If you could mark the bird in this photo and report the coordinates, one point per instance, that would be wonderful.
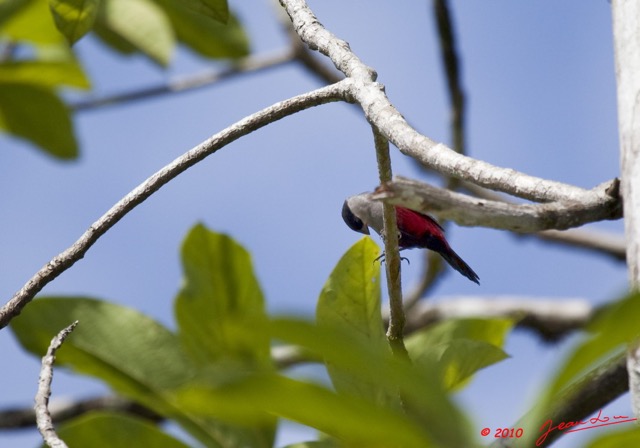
(417, 230)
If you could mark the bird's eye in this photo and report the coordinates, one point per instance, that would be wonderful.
(350, 219)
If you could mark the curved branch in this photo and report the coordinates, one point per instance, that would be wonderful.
(381, 113)
(43, 417)
(596, 205)
(66, 259)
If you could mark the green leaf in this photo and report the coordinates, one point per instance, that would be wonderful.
(220, 300)
(612, 330)
(136, 356)
(216, 9)
(204, 35)
(10, 8)
(44, 73)
(330, 443)
(35, 113)
(114, 430)
(74, 18)
(221, 322)
(346, 417)
(418, 384)
(142, 24)
(350, 301)
(460, 347)
(32, 23)
(628, 437)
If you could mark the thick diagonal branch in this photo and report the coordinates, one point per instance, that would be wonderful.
(383, 115)
(598, 204)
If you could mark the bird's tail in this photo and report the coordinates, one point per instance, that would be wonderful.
(459, 265)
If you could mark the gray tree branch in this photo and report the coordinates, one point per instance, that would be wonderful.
(603, 203)
(380, 112)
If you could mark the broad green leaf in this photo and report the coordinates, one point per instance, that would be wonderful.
(32, 23)
(142, 24)
(460, 347)
(216, 9)
(136, 356)
(204, 35)
(348, 418)
(217, 304)
(113, 39)
(36, 114)
(220, 301)
(44, 73)
(114, 430)
(418, 384)
(630, 437)
(612, 330)
(350, 301)
(74, 18)
(8, 8)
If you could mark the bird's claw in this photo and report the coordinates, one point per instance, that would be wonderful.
(382, 257)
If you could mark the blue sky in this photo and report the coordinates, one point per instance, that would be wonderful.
(541, 99)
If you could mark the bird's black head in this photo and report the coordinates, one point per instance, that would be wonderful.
(352, 220)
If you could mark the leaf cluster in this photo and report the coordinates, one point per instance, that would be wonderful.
(37, 60)
(214, 376)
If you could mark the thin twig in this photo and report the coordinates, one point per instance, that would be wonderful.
(600, 242)
(451, 65)
(395, 331)
(251, 64)
(298, 52)
(62, 411)
(66, 259)
(43, 417)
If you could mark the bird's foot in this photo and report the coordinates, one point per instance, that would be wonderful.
(382, 258)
